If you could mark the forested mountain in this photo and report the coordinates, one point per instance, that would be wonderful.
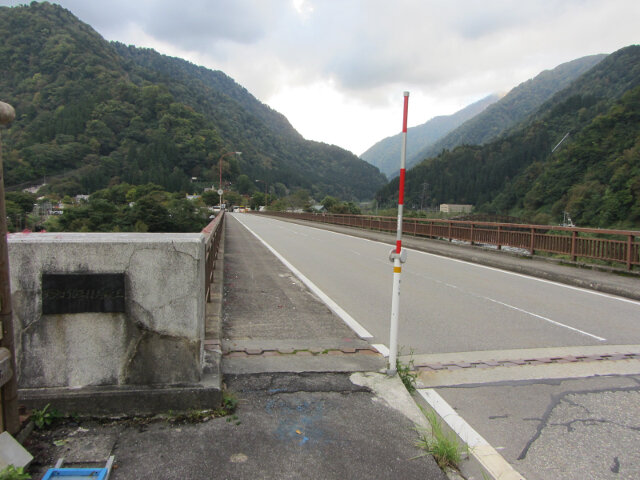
(92, 113)
(510, 110)
(386, 153)
(594, 174)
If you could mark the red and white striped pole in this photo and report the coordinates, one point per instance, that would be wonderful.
(398, 256)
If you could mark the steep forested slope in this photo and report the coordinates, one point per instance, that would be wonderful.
(90, 113)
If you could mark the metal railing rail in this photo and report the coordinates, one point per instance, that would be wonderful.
(213, 235)
(617, 246)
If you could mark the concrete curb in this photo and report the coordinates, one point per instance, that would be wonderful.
(125, 400)
(213, 319)
(483, 461)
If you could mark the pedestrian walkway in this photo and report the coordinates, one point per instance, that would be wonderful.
(271, 322)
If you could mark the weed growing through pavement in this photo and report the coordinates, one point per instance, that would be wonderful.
(445, 448)
(405, 372)
(45, 417)
(229, 404)
(12, 473)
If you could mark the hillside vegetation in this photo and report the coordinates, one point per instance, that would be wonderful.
(594, 174)
(92, 113)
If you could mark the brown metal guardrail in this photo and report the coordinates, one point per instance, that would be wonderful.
(213, 235)
(617, 246)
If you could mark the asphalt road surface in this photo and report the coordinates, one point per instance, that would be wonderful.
(447, 305)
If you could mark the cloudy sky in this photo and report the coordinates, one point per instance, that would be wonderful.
(337, 68)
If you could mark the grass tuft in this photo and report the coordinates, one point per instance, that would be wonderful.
(445, 448)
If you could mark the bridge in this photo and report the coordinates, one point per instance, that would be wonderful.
(479, 327)
(529, 361)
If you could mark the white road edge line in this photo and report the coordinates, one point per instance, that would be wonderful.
(383, 349)
(333, 306)
(484, 453)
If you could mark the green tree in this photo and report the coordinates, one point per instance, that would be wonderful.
(244, 185)
(257, 200)
(329, 203)
(185, 216)
(211, 197)
(152, 213)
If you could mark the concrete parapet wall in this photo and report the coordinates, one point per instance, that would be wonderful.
(157, 340)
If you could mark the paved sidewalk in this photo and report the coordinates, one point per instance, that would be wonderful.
(312, 426)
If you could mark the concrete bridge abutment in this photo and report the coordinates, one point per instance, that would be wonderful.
(111, 323)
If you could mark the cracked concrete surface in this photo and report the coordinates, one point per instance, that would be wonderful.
(558, 429)
(593, 430)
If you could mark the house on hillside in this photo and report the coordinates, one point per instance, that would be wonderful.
(455, 208)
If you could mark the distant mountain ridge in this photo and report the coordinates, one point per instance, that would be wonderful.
(511, 109)
(91, 113)
(386, 153)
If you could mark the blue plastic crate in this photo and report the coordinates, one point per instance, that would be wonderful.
(79, 473)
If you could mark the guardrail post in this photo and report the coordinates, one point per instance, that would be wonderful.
(574, 238)
(472, 233)
(498, 243)
(629, 252)
(532, 241)
(449, 232)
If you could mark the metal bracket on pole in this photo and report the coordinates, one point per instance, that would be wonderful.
(402, 256)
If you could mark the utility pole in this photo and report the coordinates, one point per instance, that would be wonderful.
(10, 419)
(425, 185)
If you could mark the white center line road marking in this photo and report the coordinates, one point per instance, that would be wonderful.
(333, 306)
(513, 307)
(546, 319)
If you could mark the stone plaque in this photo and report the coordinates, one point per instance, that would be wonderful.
(81, 293)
